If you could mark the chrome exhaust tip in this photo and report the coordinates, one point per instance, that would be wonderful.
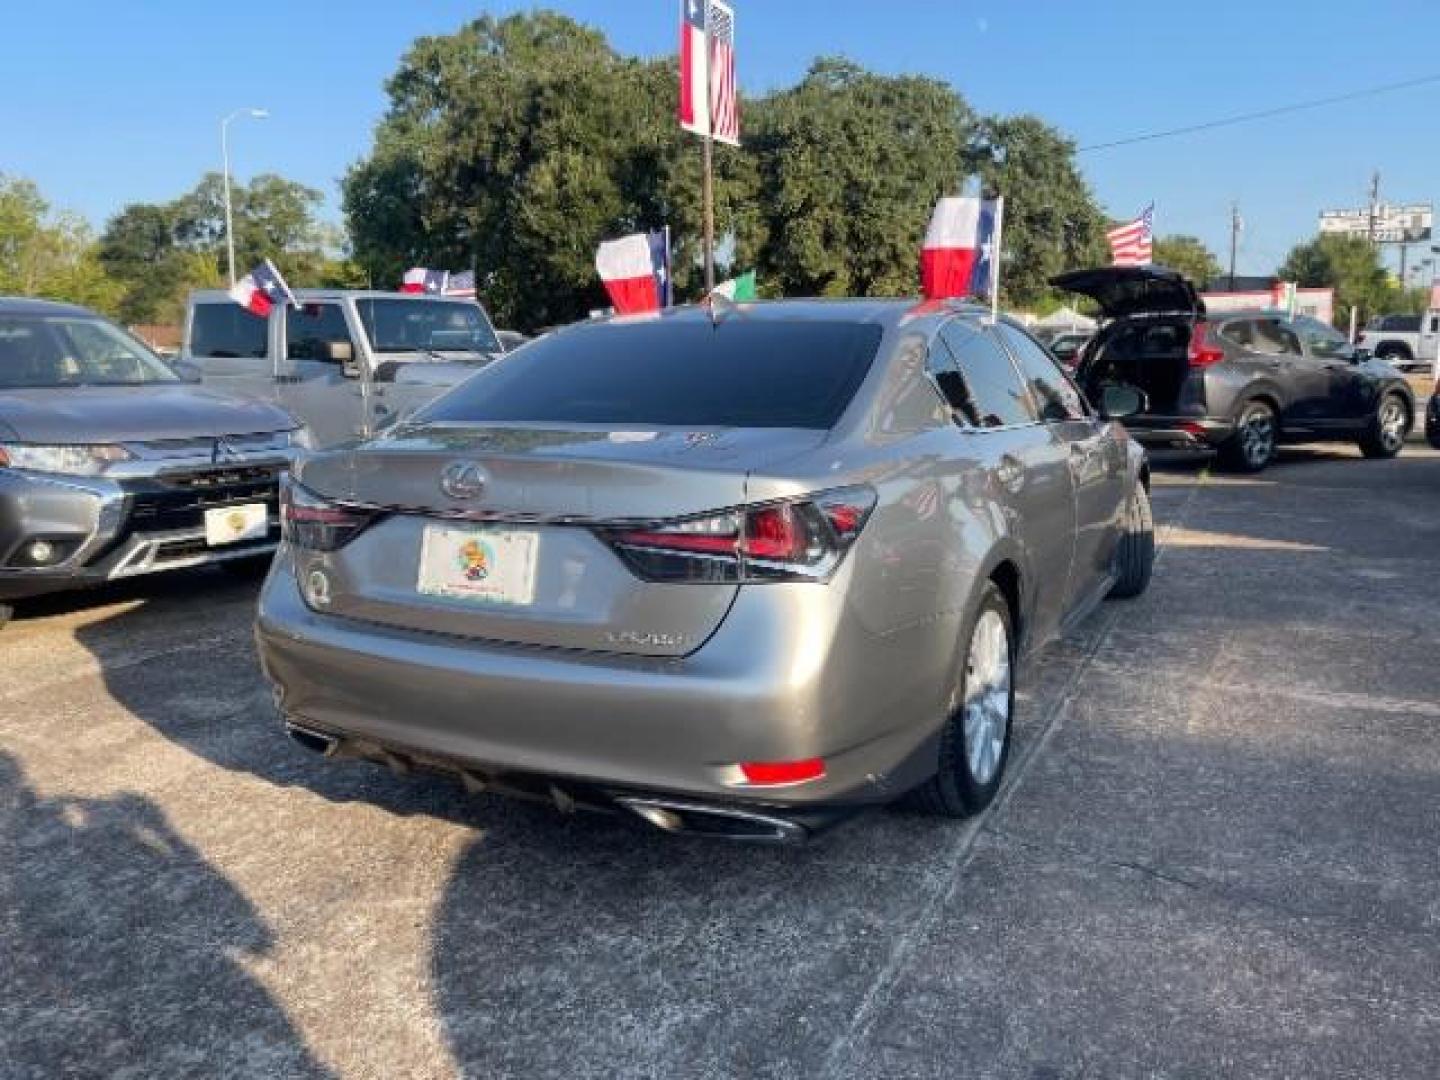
(317, 742)
(717, 821)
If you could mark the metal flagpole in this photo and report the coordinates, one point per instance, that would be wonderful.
(669, 297)
(709, 199)
(708, 184)
(995, 262)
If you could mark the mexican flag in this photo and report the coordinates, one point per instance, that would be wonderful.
(739, 288)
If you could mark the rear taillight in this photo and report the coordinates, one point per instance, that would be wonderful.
(311, 522)
(1204, 349)
(796, 540)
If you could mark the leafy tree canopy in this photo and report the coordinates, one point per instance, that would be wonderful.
(1190, 256)
(517, 144)
(1352, 267)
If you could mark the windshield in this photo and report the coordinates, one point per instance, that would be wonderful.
(1322, 340)
(766, 374)
(74, 351)
(400, 325)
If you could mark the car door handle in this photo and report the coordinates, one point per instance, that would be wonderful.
(1011, 473)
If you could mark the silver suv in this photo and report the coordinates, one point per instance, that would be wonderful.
(112, 466)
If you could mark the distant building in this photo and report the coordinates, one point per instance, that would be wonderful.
(1267, 291)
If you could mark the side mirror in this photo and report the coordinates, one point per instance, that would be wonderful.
(1118, 402)
(342, 353)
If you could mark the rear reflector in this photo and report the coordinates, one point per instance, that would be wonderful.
(774, 773)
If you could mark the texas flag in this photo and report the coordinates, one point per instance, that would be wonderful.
(261, 289)
(420, 280)
(636, 272)
(959, 257)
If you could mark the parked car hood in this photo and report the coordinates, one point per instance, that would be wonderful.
(1134, 290)
(110, 414)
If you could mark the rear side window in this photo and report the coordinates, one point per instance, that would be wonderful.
(1052, 390)
(226, 330)
(1266, 336)
(311, 328)
(997, 396)
(674, 372)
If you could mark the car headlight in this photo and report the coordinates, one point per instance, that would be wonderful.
(65, 460)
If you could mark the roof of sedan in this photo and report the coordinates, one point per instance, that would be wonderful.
(25, 305)
(859, 310)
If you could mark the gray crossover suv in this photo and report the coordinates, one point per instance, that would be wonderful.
(735, 572)
(110, 466)
(1240, 382)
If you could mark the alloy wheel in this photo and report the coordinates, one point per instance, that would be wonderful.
(1394, 422)
(1257, 437)
(987, 696)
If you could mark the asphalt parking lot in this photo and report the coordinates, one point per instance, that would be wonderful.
(1218, 853)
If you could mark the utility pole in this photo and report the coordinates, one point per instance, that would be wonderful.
(1235, 226)
(1374, 206)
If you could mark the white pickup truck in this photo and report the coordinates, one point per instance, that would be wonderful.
(345, 362)
(1406, 342)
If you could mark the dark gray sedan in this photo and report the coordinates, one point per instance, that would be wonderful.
(735, 572)
(111, 466)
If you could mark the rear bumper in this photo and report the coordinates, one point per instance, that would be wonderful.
(764, 688)
(101, 529)
(1180, 433)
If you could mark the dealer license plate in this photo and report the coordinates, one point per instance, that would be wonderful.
(494, 566)
(234, 524)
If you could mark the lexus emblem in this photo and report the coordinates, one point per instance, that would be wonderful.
(462, 480)
(222, 451)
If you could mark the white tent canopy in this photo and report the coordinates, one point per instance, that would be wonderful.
(1066, 318)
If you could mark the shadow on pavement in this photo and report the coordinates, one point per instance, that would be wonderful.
(122, 948)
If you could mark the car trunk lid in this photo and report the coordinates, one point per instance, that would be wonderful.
(1124, 291)
(489, 532)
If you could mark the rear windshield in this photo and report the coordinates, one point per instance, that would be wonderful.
(398, 325)
(674, 373)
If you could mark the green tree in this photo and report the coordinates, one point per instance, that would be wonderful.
(161, 251)
(1349, 265)
(49, 255)
(1052, 222)
(1190, 256)
(851, 164)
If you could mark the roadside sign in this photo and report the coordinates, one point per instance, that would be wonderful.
(1409, 223)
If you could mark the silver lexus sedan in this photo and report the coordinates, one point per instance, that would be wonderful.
(738, 571)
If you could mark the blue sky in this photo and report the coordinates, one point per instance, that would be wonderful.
(108, 103)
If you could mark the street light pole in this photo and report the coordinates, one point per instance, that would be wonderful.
(257, 114)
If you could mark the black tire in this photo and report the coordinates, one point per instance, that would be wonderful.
(954, 791)
(1135, 554)
(1383, 438)
(1257, 435)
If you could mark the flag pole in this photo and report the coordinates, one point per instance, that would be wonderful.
(995, 269)
(669, 297)
(708, 182)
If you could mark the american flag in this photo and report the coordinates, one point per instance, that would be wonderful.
(1133, 244)
(724, 92)
(461, 284)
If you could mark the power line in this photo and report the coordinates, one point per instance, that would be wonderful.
(1262, 114)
